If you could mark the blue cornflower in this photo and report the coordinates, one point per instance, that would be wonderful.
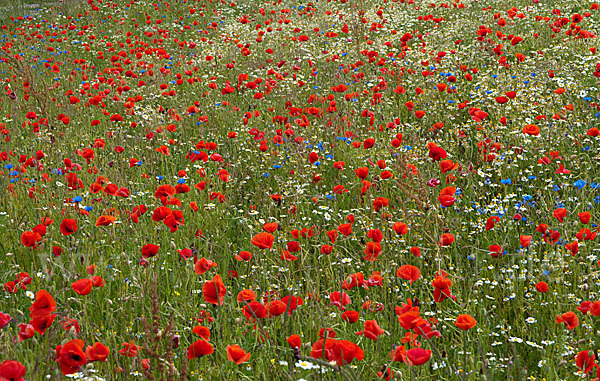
(579, 184)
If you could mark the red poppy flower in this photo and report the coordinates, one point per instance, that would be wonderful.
(586, 234)
(214, 290)
(386, 175)
(246, 295)
(465, 322)
(398, 354)
(345, 229)
(525, 240)
(496, 251)
(326, 249)
(129, 349)
(491, 222)
(446, 200)
(68, 226)
(584, 217)
(585, 307)
(41, 323)
(82, 286)
(573, 247)
(584, 361)
(380, 202)
(97, 281)
(354, 280)
(270, 227)
(372, 330)
(560, 214)
(243, 256)
(541, 287)
(350, 316)
(375, 234)
(436, 153)
(442, 289)
(165, 190)
(418, 356)
(26, 331)
(70, 356)
(415, 251)
(447, 165)
(4, 319)
(372, 251)
(263, 240)
(339, 300)
(30, 238)
(569, 318)
(257, 308)
(362, 172)
(44, 304)
(293, 246)
(203, 265)
(105, 220)
(237, 354)
(409, 319)
(276, 308)
(400, 228)
(199, 348)
(408, 272)
(97, 352)
(594, 131)
(293, 302)
(287, 256)
(294, 341)
(12, 370)
(116, 118)
(531, 129)
(446, 239)
(149, 250)
(344, 352)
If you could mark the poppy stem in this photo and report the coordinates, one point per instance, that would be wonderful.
(329, 365)
(484, 361)
(256, 320)
(464, 365)
(413, 373)
(437, 352)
